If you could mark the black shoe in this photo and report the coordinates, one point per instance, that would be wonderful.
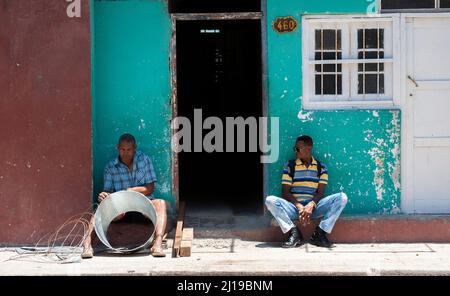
(319, 238)
(295, 239)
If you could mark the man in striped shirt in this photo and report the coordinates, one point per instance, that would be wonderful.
(303, 186)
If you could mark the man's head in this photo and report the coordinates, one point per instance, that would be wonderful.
(127, 148)
(303, 147)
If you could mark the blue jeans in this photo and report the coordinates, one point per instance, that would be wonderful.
(329, 208)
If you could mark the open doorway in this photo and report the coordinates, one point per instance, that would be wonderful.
(219, 71)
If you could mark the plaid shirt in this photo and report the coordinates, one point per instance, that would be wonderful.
(117, 175)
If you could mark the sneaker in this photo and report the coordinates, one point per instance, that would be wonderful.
(295, 239)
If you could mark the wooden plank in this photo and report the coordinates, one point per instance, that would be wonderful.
(186, 242)
(217, 16)
(185, 248)
(178, 231)
(188, 234)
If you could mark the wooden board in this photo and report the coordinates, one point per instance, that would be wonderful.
(185, 248)
(178, 231)
(186, 242)
(188, 234)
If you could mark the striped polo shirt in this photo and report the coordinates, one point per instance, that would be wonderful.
(305, 183)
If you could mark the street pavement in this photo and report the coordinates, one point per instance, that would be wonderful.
(228, 257)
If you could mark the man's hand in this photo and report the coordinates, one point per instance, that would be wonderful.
(102, 196)
(305, 215)
(300, 209)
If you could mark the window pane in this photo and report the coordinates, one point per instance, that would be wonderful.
(368, 38)
(367, 84)
(329, 55)
(329, 39)
(318, 40)
(318, 56)
(318, 85)
(329, 68)
(318, 68)
(329, 84)
(371, 84)
(339, 68)
(339, 84)
(360, 83)
(371, 36)
(371, 55)
(381, 32)
(445, 3)
(406, 4)
(360, 38)
(371, 67)
(339, 39)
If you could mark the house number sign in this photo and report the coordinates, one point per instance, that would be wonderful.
(285, 24)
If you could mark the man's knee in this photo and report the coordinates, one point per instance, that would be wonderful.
(271, 200)
(343, 198)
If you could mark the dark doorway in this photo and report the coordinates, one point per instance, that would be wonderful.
(219, 71)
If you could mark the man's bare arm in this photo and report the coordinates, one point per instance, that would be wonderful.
(103, 195)
(320, 193)
(145, 190)
(287, 195)
(309, 208)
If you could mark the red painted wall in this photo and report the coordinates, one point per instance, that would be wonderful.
(45, 117)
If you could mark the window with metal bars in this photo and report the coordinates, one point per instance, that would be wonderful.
(370, 75)
(348, 62)
(328, 77)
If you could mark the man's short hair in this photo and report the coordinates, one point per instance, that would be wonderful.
(128, 138)
(305, 139)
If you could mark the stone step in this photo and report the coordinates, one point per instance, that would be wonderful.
(348, 229)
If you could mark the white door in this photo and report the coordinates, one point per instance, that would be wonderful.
(426, 115)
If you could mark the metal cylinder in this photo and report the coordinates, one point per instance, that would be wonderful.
(118, 203)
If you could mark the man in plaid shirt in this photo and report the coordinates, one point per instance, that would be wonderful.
(133, 170)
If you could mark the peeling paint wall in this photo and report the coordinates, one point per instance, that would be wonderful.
(132, 94)
(132, 84)
(360, 148)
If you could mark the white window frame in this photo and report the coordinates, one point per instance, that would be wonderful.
(349, 26)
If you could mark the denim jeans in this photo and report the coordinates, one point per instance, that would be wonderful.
(329, 208)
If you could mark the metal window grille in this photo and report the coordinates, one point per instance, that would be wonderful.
(328, 77)
(370, 75)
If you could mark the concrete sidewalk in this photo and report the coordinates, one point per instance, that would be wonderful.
(238, 257)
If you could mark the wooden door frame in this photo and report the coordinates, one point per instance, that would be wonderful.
(173, 77)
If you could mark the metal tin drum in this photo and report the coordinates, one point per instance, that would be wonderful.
(116, 204)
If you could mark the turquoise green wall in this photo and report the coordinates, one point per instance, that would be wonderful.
(131, 93)
(132, 84)
(361, 148)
